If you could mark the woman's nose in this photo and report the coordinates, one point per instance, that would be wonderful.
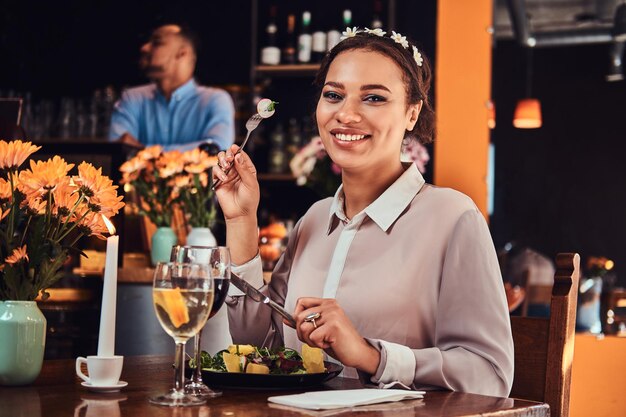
(349, 112)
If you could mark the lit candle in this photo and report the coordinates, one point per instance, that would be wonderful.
(106, 338)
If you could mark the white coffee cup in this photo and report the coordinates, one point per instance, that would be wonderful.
(103, 370)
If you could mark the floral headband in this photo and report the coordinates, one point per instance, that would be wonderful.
(396, 37)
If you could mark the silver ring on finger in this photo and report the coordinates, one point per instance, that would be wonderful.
(312, 317)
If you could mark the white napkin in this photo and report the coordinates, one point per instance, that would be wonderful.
(327, 400)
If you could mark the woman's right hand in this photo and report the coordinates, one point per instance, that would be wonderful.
(238, 192)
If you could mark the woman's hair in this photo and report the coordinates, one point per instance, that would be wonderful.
(416, 78)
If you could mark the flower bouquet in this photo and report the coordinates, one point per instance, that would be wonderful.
(164, 179)
(43, 213)
(151, 173)
(193, 187)
(313, 167)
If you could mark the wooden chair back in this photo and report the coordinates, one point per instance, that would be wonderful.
(544, 347)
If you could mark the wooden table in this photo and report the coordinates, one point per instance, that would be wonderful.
(57, 392)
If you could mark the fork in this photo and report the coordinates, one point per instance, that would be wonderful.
(252, 123)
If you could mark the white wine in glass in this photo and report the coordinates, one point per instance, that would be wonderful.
(217, 258)
(182, 296)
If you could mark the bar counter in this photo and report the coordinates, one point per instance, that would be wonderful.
(57, 392)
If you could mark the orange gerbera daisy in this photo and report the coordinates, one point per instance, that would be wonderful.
(91, 224)
(43, 177)
(194, 156)
(65, 197)
(35, 204)
(4, 213)
(131, 169)
(17, 255)
(151, 152)
(14, 153)
(99, 190)
(5, 189)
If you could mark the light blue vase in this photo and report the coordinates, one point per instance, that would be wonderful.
(162, 241)
(22, 342)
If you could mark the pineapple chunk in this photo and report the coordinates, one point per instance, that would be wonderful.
(232, 362)
(313, 359)
(254, 368)
(173, 303)
(241, 349)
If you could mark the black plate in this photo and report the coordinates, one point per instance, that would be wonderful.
(286, 382)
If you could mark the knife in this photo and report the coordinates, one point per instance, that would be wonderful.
(259, 297)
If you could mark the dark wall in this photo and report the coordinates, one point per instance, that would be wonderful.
(561, 187)
(70, 48)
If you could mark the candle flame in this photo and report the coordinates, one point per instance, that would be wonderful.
(109, 225)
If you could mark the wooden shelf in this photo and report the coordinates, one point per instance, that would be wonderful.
(295, 70)
(275, 177)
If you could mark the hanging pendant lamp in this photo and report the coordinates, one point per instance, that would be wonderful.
(528, 111)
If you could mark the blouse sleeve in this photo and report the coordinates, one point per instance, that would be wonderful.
(473, 349)
(256, 323)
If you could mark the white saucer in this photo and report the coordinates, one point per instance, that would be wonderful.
(104, 388)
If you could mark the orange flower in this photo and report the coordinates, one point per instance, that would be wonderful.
(182, 181)
(17, 255)
(5, 189)
(91, 224)
(99, 190)
(131, 169)
(151, 152)
(194, 156)
(4, 213)
(14, 153)
(43, 177)
(35, 204)
(65, 197)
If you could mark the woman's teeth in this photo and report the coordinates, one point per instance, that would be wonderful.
(341, 136)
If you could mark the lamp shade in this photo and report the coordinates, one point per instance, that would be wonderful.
(527, 114)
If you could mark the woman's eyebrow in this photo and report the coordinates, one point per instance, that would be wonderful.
(334, 84)
(374, 87)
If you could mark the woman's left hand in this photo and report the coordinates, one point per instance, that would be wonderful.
(334, 332)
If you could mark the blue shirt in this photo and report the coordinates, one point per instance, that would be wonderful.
(194, 115)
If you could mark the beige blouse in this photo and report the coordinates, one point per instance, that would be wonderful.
(417, 274)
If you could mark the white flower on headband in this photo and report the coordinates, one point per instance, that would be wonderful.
(417, 56)
(398, 38)
(377, 32)
(349, 33)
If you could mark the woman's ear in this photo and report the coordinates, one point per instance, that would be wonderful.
(413, 114)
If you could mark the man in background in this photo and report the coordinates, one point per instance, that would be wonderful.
(173, 111)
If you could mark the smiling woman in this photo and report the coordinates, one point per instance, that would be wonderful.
(401, 277)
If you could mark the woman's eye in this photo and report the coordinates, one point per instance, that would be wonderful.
(330, 95)
(375, 99)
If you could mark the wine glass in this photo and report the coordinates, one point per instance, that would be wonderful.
(218, 260)
(182, 295)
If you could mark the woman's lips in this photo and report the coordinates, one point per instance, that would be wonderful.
(349, 135)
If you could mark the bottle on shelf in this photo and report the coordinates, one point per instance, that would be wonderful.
(377, 23)
(305, 39)
(318, 45)
(277, 163)
(289, 50)
(270, 54)
(294, 138)
(334, 35)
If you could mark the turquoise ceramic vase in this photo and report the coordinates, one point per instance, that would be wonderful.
(22, 342)
(162, 241)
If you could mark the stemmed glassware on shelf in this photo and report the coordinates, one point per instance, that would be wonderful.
(182, 296)
(217, 259)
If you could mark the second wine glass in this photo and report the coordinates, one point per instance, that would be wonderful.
(218, 260)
